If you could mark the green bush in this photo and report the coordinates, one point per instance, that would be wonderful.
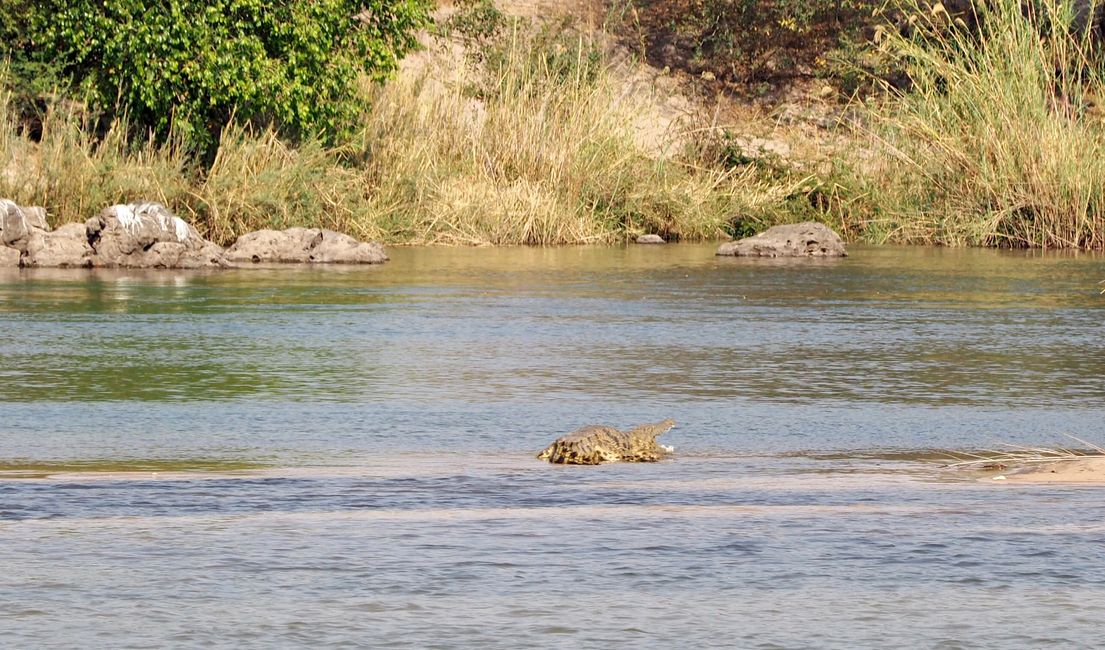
(194, 65)
(26, 79)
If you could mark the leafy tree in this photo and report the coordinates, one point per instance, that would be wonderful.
(22, 74)
(197, 64)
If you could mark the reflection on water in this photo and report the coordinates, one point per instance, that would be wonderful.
(291, 457)
(14, 468)
(887, 325)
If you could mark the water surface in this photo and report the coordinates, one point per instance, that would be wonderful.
(289, 457)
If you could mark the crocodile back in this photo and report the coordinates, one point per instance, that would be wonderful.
(594, 445)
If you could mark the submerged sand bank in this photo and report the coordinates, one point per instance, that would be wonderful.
(1087, 471)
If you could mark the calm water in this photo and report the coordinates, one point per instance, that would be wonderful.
(344, 457)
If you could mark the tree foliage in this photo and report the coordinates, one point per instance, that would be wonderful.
(197, 64)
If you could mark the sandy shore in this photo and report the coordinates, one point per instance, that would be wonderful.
(1076, 471)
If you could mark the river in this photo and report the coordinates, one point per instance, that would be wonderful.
(345, 456)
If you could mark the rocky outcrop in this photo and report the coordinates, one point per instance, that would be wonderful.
(148, 235)
(807, 239)
(36, 216)
(136, 235)
(594, 445)
(66, 247)
(28, 241)
(304, 246)
(650, 239)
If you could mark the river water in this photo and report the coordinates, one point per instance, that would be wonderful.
(345, 457)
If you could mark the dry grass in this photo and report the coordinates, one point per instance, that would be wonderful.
(77, 174)
(1010, 455)
(259, 181)
(534, 149)
(999, 143)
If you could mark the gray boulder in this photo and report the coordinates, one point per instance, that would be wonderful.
(17, 224)
(809, 239)
(148, 235)
(650, 239)
(9, 257)
(304, 246)
(170, 255)
(65, 247)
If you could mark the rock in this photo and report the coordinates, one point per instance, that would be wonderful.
(148, 235)
(339, 248)
(18, 223)
(304, 246)
(65, 247)
(274, 246)
(175, 255)
(807, 239)
(594, 445)
(36, 216)
(9, 257)
(650, 239)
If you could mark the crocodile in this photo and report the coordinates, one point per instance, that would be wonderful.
(595, 444)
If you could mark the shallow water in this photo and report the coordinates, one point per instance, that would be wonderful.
(289, 457)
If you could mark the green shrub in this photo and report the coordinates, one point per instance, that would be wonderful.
(196, 64)
(27, 81)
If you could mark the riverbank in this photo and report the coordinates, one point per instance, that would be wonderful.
(524, 139)
(531, 123)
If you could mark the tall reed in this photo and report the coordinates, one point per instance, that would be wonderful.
(76, 173)
(1000, 141)
(256, 180)
(535, 148)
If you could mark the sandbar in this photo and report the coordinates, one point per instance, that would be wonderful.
(1083, 471)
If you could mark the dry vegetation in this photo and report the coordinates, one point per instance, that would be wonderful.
(522, 132)
(999, 141)
(525, 141)
(1020, 456)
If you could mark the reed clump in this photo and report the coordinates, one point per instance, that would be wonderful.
(76, 171)
(1000, 140)
(1018, 455)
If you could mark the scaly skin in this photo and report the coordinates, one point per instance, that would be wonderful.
(594, 445)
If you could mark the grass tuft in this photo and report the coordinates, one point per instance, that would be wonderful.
(1020, 455)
